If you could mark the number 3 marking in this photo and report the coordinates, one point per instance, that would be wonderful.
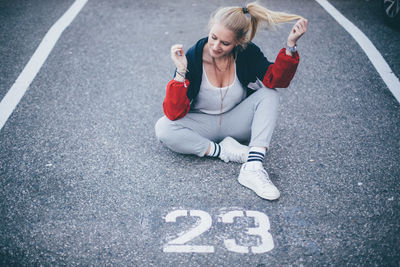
(261, 222)
(178, 244)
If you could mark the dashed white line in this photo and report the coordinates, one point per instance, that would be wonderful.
(380, 64)
(18, 89)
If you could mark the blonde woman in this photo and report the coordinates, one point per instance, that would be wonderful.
(222, 94)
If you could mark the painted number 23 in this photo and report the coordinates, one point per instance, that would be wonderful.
(261, 229)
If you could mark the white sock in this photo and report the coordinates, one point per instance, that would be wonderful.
(255, 158)
(215, 150)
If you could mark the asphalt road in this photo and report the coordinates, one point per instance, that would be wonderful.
(83, 180)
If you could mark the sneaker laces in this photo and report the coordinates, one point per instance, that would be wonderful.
(263, 177)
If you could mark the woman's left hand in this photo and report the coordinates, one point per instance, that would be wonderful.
(297, 31)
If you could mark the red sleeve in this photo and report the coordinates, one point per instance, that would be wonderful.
(282, 71)
(176, 104)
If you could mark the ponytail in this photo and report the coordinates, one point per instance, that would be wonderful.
(259, 13)
(235, 19)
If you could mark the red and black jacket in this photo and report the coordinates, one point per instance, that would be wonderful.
(251, 64)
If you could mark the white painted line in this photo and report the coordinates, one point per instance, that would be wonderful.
(373, 54)
(18, 89)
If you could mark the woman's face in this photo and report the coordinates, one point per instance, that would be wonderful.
(221, 41)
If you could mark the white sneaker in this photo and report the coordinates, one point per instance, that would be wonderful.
(232, 150)
(257, 179)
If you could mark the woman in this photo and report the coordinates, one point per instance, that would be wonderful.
(223, 90)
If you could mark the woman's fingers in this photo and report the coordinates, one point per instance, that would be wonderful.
(301, 26)
(176, 46)
(177, 50)
(178, 56)
(297, 31)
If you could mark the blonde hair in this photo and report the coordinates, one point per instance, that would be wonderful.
(235, 19)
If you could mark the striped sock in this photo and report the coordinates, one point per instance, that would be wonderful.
(255, 157)
(215, 150)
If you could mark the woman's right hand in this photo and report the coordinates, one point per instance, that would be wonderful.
(179, 58)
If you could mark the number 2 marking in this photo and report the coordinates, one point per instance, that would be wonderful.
(261, 229)
(178, 244)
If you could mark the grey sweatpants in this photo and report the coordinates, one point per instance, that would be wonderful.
(253, 120)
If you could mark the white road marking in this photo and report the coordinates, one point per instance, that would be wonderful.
(178, 244)
(18, 89)
(261, 229)
(373, 54)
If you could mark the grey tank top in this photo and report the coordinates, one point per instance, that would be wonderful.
(209, 98)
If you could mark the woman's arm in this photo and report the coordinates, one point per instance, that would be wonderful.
(282, 71)
(176, 103)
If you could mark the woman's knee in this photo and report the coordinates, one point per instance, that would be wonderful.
(163, 129)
